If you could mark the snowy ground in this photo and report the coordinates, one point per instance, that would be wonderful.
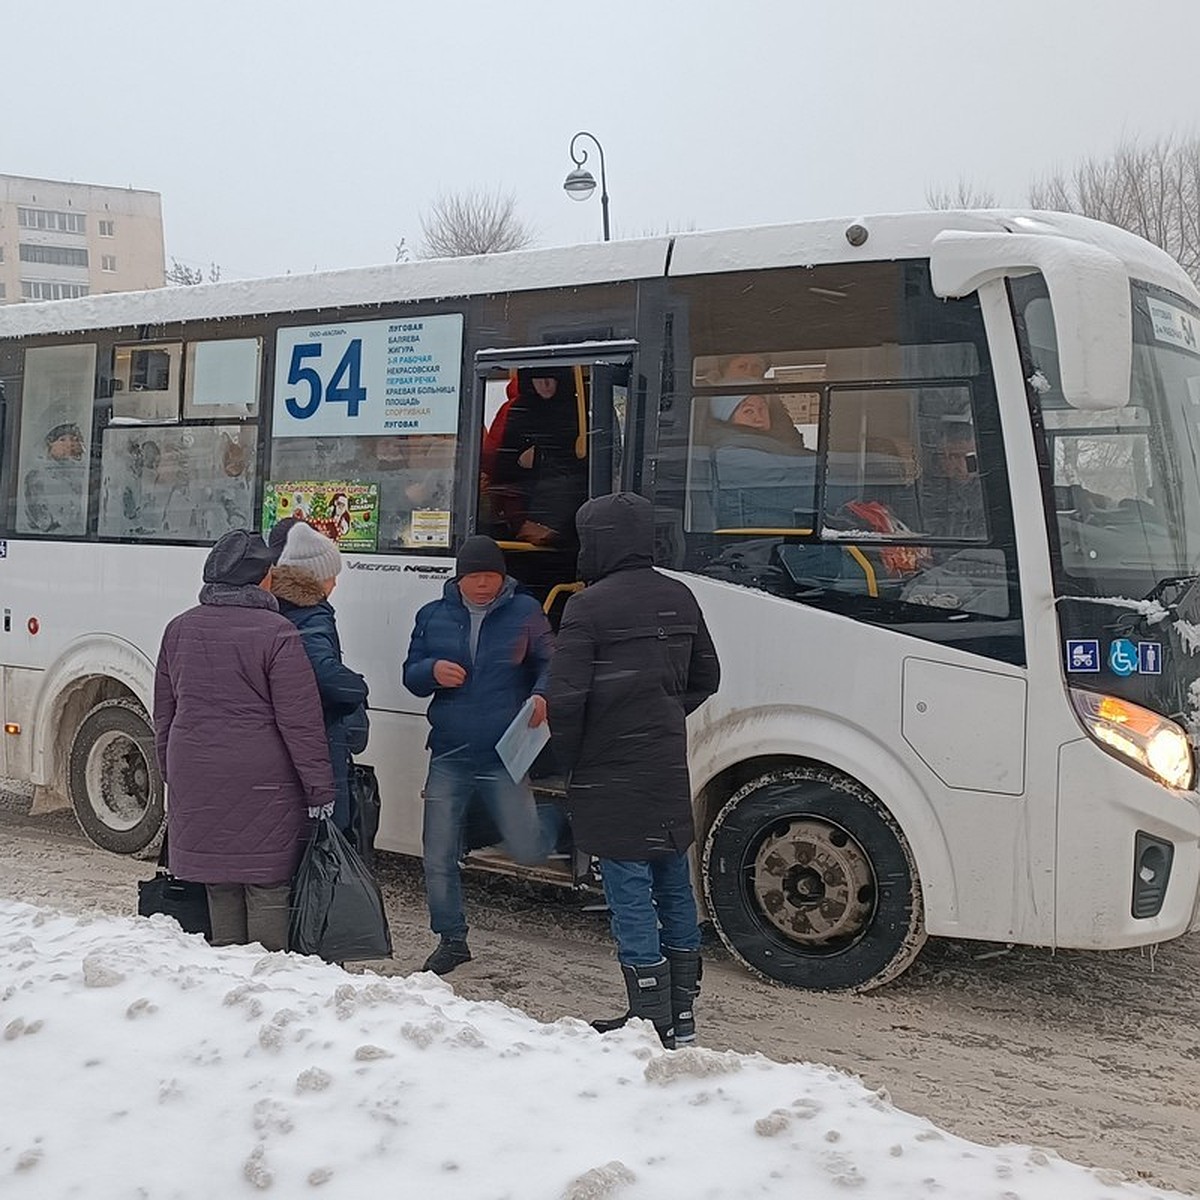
(1095, 1055)
(138, 1062)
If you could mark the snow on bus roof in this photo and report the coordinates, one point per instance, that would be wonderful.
(801, 244)
(433, 279)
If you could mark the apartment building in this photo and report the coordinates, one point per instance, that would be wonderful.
(63, 240)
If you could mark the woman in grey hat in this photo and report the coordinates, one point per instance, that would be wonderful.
(304, 577)
(241, 745)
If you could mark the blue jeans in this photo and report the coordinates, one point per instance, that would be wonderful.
(453, 780)
(644, 896)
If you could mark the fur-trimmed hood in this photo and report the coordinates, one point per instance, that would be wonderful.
(296, 586)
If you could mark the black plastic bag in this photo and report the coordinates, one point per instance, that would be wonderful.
(364, 811)
(186, 903)
(337, 909)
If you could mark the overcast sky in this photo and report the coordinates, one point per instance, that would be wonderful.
(288, 135)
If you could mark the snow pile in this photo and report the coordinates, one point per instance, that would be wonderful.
(135, 1061)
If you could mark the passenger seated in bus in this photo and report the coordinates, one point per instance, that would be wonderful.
(951, 491)
(536, 477)
(56, 488)
(763, 475)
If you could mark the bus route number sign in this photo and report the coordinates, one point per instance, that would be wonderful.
(362, 378)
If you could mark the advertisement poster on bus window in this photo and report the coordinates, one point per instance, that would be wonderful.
(363, 378)
(346, 512)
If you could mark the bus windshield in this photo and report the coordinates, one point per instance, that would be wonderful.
(1125, 481)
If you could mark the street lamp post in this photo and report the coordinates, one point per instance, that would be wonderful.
(581, 183)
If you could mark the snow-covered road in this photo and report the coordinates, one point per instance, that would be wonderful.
(1095, 1056)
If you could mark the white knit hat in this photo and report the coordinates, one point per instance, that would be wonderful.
(311, 552)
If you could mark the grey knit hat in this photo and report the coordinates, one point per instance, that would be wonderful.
(311, 552)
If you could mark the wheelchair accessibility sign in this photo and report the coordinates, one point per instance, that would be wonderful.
(1125, 657)
(1122, 657)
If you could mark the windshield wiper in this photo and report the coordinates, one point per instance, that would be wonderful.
(1182, 589)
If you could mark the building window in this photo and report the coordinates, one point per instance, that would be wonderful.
(1, 254)
(55, 256)
(106, 228)
(52, 219)
(33, 289)
(1, 291)
(108, 262)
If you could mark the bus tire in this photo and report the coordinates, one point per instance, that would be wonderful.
(810, 882)
(113, 780)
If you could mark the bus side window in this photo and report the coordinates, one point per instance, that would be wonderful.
(56, 438)
(168, 473)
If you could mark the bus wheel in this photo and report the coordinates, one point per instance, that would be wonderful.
(113, 780)
(810, 882)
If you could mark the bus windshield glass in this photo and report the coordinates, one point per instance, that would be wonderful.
(1125, 482)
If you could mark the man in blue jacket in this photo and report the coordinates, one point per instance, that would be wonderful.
(480, 651)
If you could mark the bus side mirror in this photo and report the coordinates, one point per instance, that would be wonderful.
(1089, 295)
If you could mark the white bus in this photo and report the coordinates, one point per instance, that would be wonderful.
(933, 479)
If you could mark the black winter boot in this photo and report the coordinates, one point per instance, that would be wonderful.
(607, 1026)
(450, 953)
(649, 991)
(687, 969)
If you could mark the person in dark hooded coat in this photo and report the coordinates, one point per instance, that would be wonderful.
(632, 659)
(241, 745)
(537, 476)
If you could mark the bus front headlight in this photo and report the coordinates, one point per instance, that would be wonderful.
(1154, 743)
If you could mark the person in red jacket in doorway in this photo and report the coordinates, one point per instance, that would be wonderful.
(241, 745)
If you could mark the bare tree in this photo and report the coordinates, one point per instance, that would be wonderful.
(181, 275)
(474, 222)
(1149, 188)
(964, 194)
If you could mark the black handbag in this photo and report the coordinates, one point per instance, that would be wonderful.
(186, 903)
(364, 811)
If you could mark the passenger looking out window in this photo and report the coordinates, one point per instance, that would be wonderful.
(55, 489)
(763, 475)
(951, 492)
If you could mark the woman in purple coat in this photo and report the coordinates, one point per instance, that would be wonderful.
(241, 745)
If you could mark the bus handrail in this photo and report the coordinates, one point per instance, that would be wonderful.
(559, 588)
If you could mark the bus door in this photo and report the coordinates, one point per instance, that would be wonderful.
(554, 425)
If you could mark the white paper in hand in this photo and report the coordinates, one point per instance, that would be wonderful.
(520, 744)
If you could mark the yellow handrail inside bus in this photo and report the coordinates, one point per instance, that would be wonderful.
(868, 570)
(855, 553)
(522, 547)
(581, 409)
(558, 589)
